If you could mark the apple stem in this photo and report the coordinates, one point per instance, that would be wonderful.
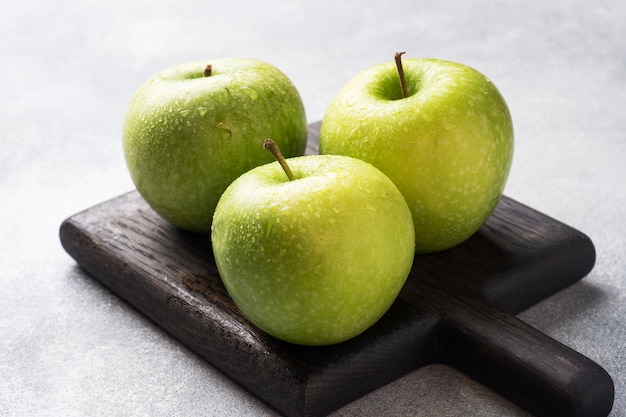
(398, 58)
(272, 147)
(207, 70)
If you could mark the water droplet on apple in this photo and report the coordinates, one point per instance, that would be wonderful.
(202, 111)
(250, 92)
(184, 113)
(225, 132)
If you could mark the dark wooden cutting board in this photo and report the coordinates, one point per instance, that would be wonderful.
(457, 308)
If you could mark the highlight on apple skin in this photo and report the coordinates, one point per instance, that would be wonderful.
(191, 129)
(315, 260)
(448, 145)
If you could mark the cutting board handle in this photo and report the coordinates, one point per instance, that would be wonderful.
(523, 364)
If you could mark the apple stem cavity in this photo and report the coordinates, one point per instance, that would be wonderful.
(398, 58)
(272, 147)
(207, 70)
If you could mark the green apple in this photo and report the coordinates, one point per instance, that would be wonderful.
(190, 130)
(318, 259)
(447, 143)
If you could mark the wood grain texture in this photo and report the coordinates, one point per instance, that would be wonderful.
(457, 307)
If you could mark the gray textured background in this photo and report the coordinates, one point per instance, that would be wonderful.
(68, 347)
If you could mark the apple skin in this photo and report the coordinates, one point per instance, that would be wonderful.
(448, 146)
(316, 260)
(186, 137)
